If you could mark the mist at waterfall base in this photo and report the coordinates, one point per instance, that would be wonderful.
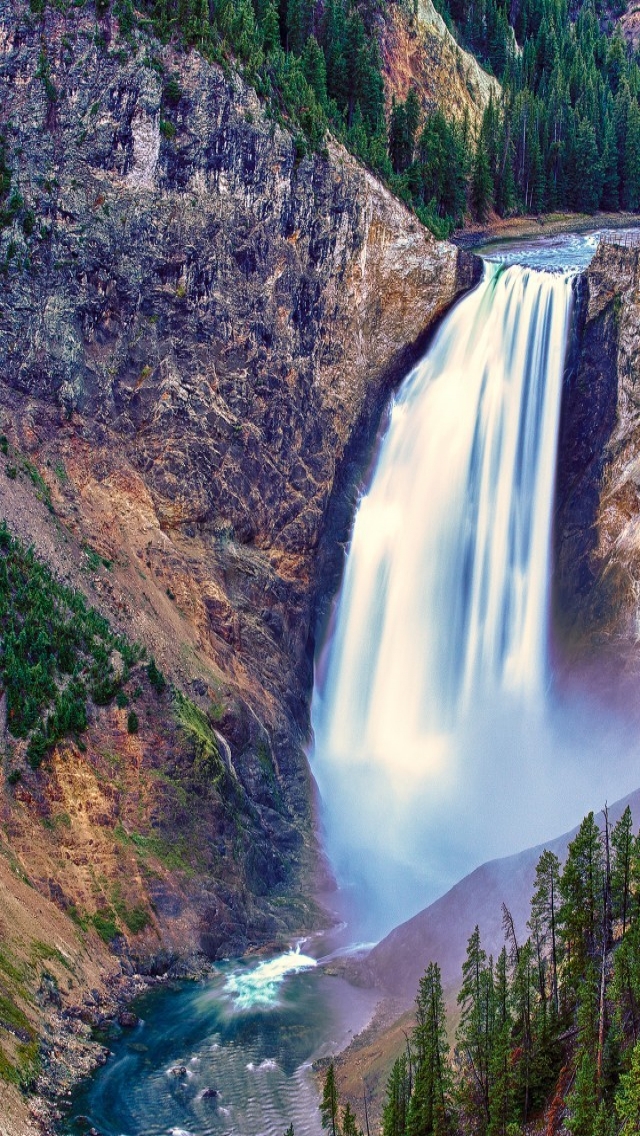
(439, 740)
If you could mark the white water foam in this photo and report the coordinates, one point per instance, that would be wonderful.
(260, 986)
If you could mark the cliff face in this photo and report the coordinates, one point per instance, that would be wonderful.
(198, 323)
(419, 51)
(198, 332)
(598, 517)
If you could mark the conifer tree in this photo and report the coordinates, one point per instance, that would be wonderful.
(582, 892)
(500, 1065)
(583, 1099)
(314, 69)
(482, 183)
(627, 1101)
(395, 1112)
(329, 1103)
(430, 1105)
(544, 912)
(631, 183)
(349, 1122)
(474, 1033)
(622, 849)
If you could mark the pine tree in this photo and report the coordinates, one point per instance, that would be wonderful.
(412, 117)
(622, 849)
(582, 891)
(583, 1099)
(500, 1064)
(399, 141)
(610, 177)
(523, 995)
(631, 182)
(586, 167)
(474, 1033)
(482, 183)
(626, 980)
(270, 26)
(544, 912)
(349, 1122)
(395, 1112)
(627, 1101)
(329, 1103)
(430, 1105)
(314, 69)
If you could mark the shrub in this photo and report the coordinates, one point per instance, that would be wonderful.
(156, 677)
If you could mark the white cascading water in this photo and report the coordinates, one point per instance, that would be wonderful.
(440, 633)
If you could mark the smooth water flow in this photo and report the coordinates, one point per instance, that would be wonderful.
(446, 586)
(442, 622)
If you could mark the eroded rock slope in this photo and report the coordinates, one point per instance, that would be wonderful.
(597, 597)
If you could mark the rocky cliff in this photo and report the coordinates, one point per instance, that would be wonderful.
(198, 331)
(597, 566)
(419, 51)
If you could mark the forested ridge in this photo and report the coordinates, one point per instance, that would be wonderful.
(548, 1038)
(563, 134)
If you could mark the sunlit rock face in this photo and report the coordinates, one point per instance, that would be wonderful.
(597, 557)
(419, 51)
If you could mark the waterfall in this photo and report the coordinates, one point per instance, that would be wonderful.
(440, 634)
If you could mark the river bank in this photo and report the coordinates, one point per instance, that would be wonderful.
(545, 224)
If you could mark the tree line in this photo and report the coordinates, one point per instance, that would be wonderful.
(563, 134)
(553, 1023)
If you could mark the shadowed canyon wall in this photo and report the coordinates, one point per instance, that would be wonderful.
(598, 497)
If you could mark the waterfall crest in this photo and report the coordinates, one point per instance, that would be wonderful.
(444, 602)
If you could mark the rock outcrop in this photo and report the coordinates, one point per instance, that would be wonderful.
(598, 515)
(198, 332)
(198, 323)
(419, 51)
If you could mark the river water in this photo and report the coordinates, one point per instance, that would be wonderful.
(225, 1056)
(443, 607)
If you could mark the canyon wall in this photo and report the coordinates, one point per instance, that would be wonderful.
(198, 332)
(597, 569)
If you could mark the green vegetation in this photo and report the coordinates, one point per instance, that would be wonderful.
(172, 854)
(24, 1069)
(194, 723)
(156, 678)
(105, 924)
(566, 133)
(55, 652)
(566, 998)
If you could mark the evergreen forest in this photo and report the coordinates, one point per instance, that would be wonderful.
(549, 1032)
(564, 134)
(57, 654)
